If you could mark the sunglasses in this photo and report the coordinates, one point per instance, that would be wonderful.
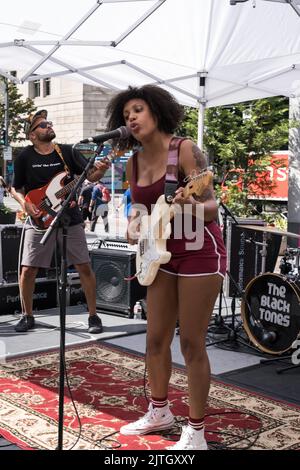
(43, 125)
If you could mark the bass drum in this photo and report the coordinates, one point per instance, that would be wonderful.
(271, 312)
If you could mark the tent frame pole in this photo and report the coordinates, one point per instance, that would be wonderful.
(201, 110)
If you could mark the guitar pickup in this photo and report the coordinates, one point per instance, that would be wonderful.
(47, 207)
(170, 190)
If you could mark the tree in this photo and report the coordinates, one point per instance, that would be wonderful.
(242, 136)
(18, 109)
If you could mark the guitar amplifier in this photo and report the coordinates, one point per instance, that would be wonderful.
(118, 243)
(115, 292)
(10, 238)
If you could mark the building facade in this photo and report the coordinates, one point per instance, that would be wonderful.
(76, 109)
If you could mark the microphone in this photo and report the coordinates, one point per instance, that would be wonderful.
(121, 133)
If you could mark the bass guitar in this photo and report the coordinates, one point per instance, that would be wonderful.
(48, 199)
(156, 228)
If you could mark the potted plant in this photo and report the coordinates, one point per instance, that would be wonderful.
(7, 215)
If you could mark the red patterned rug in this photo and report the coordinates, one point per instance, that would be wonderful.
(107, 386)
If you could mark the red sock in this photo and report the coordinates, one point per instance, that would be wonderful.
(196, 424)
(159, 402)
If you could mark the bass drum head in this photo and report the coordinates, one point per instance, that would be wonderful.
(271, 313)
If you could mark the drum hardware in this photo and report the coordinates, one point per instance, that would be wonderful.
(291, 252)
(263, 252)
(285, 267)
(219, 327)
(233, 337)
(270, 229)
(290, 263)
(281, 358)
(271, 312)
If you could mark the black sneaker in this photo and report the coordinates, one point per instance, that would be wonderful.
(25, 323)
(95, 324)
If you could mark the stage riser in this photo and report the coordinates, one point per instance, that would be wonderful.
(45, 296)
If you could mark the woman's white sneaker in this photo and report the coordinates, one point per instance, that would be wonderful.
(156, 419)
(190, 439)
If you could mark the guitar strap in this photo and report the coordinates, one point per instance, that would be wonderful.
(171, 181)
(58, 150)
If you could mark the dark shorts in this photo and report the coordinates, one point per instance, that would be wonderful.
(40, 256)
(210, 259)
(86, 214)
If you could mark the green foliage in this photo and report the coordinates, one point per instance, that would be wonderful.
(5, 209)
(189, 126)
(18, 109)
(242, 136)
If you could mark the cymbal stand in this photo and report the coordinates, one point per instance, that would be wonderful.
(281, 358)
(218, 319)
(263, 252)
(233, 338)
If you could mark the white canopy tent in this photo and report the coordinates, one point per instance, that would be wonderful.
(206, 52)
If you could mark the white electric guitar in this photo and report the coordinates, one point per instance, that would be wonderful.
(155, 229)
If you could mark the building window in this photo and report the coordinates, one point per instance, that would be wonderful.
(34, 89)
(47, 87)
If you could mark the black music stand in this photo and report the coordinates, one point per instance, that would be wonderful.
(62, 220)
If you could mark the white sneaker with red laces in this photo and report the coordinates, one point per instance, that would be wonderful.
(156, 419)
(190, 439)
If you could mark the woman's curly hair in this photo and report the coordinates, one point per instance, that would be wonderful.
(163, 106)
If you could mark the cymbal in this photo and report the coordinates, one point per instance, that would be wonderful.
(270, 229)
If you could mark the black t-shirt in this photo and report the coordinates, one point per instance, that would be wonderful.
(33, 170)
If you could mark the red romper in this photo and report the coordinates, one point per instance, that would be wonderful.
(210, 259)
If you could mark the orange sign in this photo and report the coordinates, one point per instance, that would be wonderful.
(272, 183)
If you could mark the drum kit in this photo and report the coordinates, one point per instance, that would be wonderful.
(271, 303)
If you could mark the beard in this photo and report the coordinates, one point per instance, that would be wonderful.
(47, 137)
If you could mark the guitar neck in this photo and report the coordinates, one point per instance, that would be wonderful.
(67, 189)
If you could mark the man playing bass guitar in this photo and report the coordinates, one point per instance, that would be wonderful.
(36, 168)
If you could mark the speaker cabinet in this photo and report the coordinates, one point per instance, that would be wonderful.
(9, 248)
(244, 254)
(113, 292)
(75, 293)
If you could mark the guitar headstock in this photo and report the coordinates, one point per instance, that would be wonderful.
(198, 182)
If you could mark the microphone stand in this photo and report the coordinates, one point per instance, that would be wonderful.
(62, 220)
